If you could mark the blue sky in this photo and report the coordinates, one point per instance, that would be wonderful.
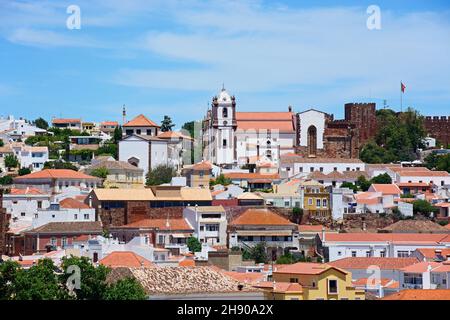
(170, 57)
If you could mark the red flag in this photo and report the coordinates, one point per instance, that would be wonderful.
(403, 87)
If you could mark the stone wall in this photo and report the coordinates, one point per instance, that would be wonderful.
(438, 128)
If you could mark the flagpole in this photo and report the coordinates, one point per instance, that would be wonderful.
(401, 96)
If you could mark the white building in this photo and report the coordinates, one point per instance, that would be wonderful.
(33, 158)
(209, 223)
(22, 204)
(420, 175)
(145, 152)
(67, 210)
(12, 129)
(342, 202)
(400, 245)
(231, 138)
(298, 166)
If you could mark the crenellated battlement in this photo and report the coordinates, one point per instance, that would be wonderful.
(437, 119)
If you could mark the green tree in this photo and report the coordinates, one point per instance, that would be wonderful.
(350, 185)
(41, 123)
(258, 253)
(382, 179)
(40, 282)
(297, 214)
(159, 175)
(117, 136)
(221, 179)
(443, 163)
(108, 148)
(287, 258)
(194, 245)
(189, 127)
(166, 124)
(431, 160)
(11, 161)
(6, 180)
(23, 171)
(93, 284)
(372, 153)
(125, 289)
(423, 207)
(59, 164)
(363, 184)
(8, 274)
(101, 172)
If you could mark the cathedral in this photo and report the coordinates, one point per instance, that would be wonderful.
(232, 138)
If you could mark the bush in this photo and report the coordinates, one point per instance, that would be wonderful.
(194, 245)
(101, 172)
(220, 180)
(159, 175)
(24, 171)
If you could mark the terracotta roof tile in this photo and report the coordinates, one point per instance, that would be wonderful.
(389, 189)
(411, 294)
(125, 259)
(306, 268)
(71, 203)
(431, 238)
(254, 175)
(65, 120)
(27, 191)
(365, 262)
(260, 217)
(140, 121)
(56, 174)
(161, 224)
(84, 227)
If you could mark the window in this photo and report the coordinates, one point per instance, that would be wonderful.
(293, 280)
(402, 254)
(339, 253)
(353, 254)
(383, 254)
(212, 227)
(321, 169)
(22, 214)
(53, 241)
(161, 239)
(138, 131)
(86, 216)
(368, 254)
(357, 169)
(225, 113)
(129, 132)
(310, 201)
(75, 216)
(300, 169)
(39, 204)
(348, 168)
(324, 203)
(224, 142)
(318, 203)
(335, 168)
(64, 241)
(332, 286)
(311, 169)
(149, 132)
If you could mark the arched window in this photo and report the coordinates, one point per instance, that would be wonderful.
(225, 112)
(312, 141)
(133, 161)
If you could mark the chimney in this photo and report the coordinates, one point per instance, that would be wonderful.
(290, 108)
(364, 226)
(323, 234)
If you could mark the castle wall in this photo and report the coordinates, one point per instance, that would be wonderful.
(438, 128)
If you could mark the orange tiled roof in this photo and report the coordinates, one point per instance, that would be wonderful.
(280, 287)
(415, 294)
(365, 262)
(56, 174)
(421, 267)
(187, 263)
(125, 259)
(27, 191)
(140, 121)
(386, 188)
(161, 224)
(310, 228)
(306, 268)
(109, 123)
(71, 203)
(203, 165)
(431, 253)
(260, 217)
(173, 134)
(428, 173)
(254, 175)
(65, 120)
(282, 121)
(386, 283)
(246, 277)
(412, 185)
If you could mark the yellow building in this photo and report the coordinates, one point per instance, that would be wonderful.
(316, 198)
(311, 281)
(198, 175)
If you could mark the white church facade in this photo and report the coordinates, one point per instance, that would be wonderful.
(232, 138)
